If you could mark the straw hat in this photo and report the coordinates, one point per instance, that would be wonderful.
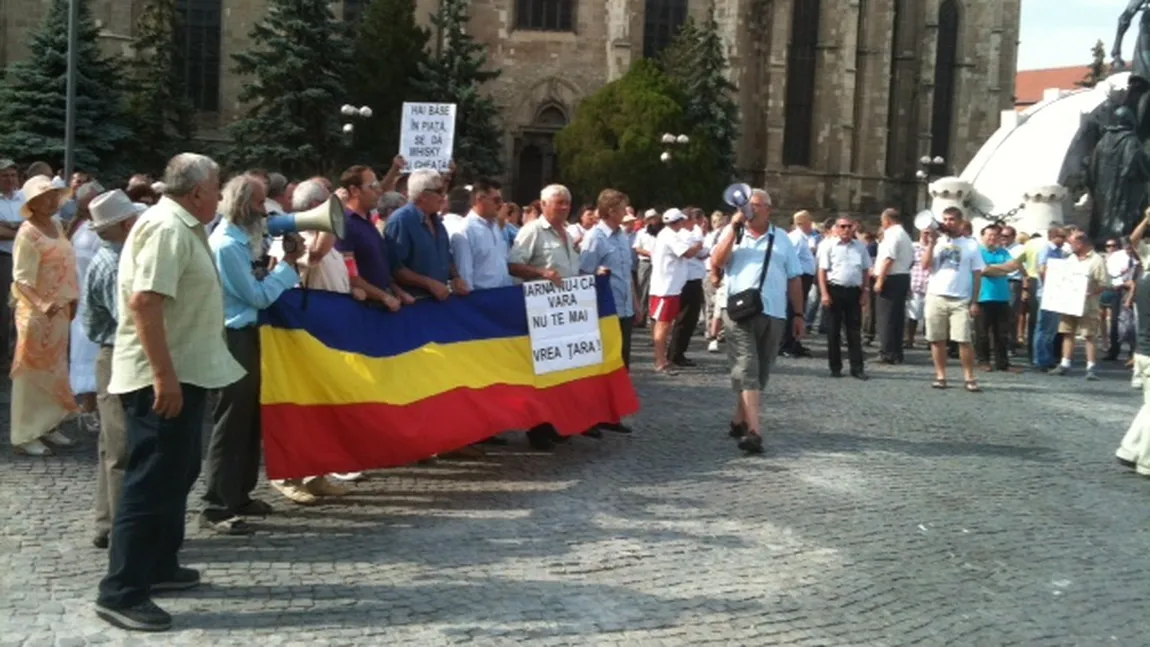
(41, 187)
(111, 208)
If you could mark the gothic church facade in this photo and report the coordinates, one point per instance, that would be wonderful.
(840, 99)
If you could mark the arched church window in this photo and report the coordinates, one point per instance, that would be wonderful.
(802, 63)
(545, 15)
(945, 77)
(661, 21)
(197, 44)
(551, 117)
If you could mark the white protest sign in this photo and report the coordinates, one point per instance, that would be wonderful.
(1064, 288)
(563, 324)
(427, 135)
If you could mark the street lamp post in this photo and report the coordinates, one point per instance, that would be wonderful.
(349, 112)
(923, 175)
(670, 141)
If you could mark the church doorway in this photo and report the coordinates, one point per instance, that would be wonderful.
(536, 160)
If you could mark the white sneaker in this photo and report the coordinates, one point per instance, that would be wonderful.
(1136, 381)
(58, 439)
(347, 476)
(713, 347)
(34, 448)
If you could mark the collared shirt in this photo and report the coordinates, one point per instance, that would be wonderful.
(746, 264)
(697, 264)
(611, 249)
(845, 263)
(1093, 267)
(100, 313)
(411, 245)
(362, 240)
(453, 223)
(510, 231)
(10, 213)
(480, 253)
(802, 243)
(896, 244)
(994, 289)
(244, 295)
(167, 253)
(577, 233)
(1045, 253)
(1120, 267)
(540, 246)
(645, 242)
(1017, 251)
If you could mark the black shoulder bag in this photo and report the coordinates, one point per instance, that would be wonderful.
(748, 303)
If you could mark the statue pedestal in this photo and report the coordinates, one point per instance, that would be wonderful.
(1042, 207)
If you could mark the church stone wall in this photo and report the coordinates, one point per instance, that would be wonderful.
(860, 164)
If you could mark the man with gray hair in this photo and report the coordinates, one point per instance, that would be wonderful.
(234, 449)
(419, 247)
(763, 274)
(168, 353)
(277, 186)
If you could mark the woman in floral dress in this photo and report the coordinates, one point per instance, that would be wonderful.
(45, 291)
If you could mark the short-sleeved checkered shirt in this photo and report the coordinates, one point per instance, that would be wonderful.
(100, 295)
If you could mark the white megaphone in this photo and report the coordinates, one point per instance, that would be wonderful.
(737, 195)
(327, 217)
(926, 220)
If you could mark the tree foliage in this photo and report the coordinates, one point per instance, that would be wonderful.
(455, 73)
(1098, 69)
(298, 57)
(161, 116)
(696, 61)
(33, 98)
(615, 141)
(390, 49)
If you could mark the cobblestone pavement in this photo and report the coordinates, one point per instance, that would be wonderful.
(885, 513)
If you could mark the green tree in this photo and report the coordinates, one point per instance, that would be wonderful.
(454, 73)
(389, 50)
(697, 63)
(1098, 69)
(615, 141)
(33, 98)
(161, 116)
(297, 60)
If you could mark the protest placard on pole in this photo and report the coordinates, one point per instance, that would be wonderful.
(427, 135)
(563, 323)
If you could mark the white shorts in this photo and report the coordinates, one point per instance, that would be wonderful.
(915, 306)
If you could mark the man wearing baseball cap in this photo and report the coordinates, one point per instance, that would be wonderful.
(668, 276)
(113, 215)
(643, 245)
(11, 200)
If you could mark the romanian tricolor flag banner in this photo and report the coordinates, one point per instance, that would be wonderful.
(348, 386)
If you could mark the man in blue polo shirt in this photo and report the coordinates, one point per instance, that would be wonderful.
(992, 321)
(370, 271)
(418, 246)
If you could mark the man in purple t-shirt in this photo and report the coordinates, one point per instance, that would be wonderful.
(362, 240)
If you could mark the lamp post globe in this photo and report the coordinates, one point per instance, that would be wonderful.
(348, 129)
(668, 138)
(348, 110)
(665, 157)
(920, 174)
(365, 112)
(924, 160)
(939, 160)
(683, 139)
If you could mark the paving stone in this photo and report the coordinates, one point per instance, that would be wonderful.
(884, 513)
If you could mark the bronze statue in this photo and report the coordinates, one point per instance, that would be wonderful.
(1141, 44)
(1116, 175)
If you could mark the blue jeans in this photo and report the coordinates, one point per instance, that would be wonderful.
(163, 463)
(1044, 334)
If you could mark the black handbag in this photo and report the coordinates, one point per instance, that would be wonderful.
(747, 304)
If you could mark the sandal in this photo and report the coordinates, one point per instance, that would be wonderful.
(938, 384)
(973, 387)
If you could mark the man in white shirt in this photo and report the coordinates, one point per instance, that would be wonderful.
(802, 235)
(458, 205)
(892, 286)
(691, 298)
(11, 201)
(1120, 266)
(645, 244)
(955, 264)
(588, 218)
(668, 276)
(844, 271)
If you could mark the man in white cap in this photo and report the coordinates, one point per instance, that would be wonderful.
(668, 276)
(113, 215)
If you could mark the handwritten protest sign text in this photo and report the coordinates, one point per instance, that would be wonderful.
(427, 135)
(564, 324)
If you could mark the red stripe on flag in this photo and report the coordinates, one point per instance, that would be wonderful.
(309, 440)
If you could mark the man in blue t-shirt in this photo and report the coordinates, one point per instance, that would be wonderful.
(992, 318)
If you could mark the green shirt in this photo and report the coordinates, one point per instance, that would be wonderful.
(167, 253)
